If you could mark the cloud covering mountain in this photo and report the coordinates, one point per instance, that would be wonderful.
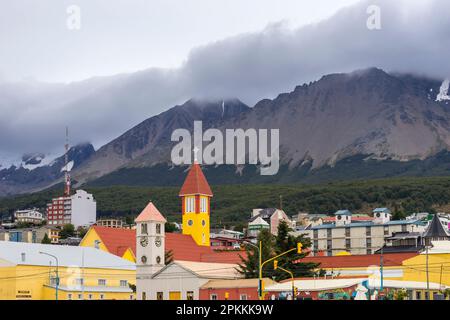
(414, 38)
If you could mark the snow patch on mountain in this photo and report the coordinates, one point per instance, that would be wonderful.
(443, 92)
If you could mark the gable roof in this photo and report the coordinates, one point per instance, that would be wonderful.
(183, 247)
(150, 213)
(195, 182)
(435, 229)
(265, 214)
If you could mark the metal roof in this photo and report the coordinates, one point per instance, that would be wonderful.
(367, 224)
(435, 229)
(343, 213)
(21, 253)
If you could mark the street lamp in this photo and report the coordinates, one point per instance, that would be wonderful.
(57, 274)
(259, 267)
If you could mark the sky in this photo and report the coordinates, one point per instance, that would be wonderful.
(133, 59)
(117, 36)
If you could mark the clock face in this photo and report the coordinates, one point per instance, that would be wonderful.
(158, 241)
(144, 241)
(144, 259)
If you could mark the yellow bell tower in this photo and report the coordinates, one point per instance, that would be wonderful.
(195, 197)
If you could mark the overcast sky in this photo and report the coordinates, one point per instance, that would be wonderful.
(129, 35)
(248, 49)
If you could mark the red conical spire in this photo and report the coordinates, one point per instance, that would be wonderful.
(195, 182)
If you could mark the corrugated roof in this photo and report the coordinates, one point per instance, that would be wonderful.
(211, 270)
(195, 182)
(183, 247)
(21, 253)
(237, 283)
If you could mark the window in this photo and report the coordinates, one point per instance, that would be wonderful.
(131, 297)
(190, 204)
(69, 296)
(213, 296)
(427, 295)
(203, 204)
(315, 234)
(418, 295)
(123, 283)
(404, 228)
(102, 296)
(144, 296)
(190, 295)
(144, 228)
(90, 296)
(80, 297)
(368, 231)
(386, 231)
(243, 297)
(328, 233)
(102, 282)
(190, 223)
(347, 243)
(316, 245)
(79, 281)
(53, 281)
(158, 228)
(369, 251)
(369, 243)
(329, 244)
(159, 296)
(329, 253)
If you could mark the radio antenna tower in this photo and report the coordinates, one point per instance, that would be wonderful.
(66, 166)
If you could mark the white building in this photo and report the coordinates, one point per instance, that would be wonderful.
(29, 216)
(178, 280)
(357, 238)
(80, 209)
(272, 218)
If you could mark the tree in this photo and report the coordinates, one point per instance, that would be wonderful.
(285, 241)
(67, 231)
(46, 239)
(81, 232)
(170, 227)
(249, 266)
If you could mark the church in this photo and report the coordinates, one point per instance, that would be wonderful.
(181, 278)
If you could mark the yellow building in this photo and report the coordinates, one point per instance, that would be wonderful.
(195, 203)
(415, 268)
(30, 271)
(120, 242)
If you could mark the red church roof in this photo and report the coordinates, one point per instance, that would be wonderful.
(195, 182)
(118, 240)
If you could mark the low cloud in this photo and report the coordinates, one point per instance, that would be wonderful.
(414, 38)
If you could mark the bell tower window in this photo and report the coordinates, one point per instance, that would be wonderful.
(158, 228)
(190, 204)
(144, 228)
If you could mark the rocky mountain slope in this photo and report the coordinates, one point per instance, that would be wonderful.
(368, 123)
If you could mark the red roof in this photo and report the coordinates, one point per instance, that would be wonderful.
(118, 240)
(389, 260)
(195, 182)
(150, 213)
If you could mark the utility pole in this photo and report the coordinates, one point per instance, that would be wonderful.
(381, 269)
(428, 278)
(57, 273)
